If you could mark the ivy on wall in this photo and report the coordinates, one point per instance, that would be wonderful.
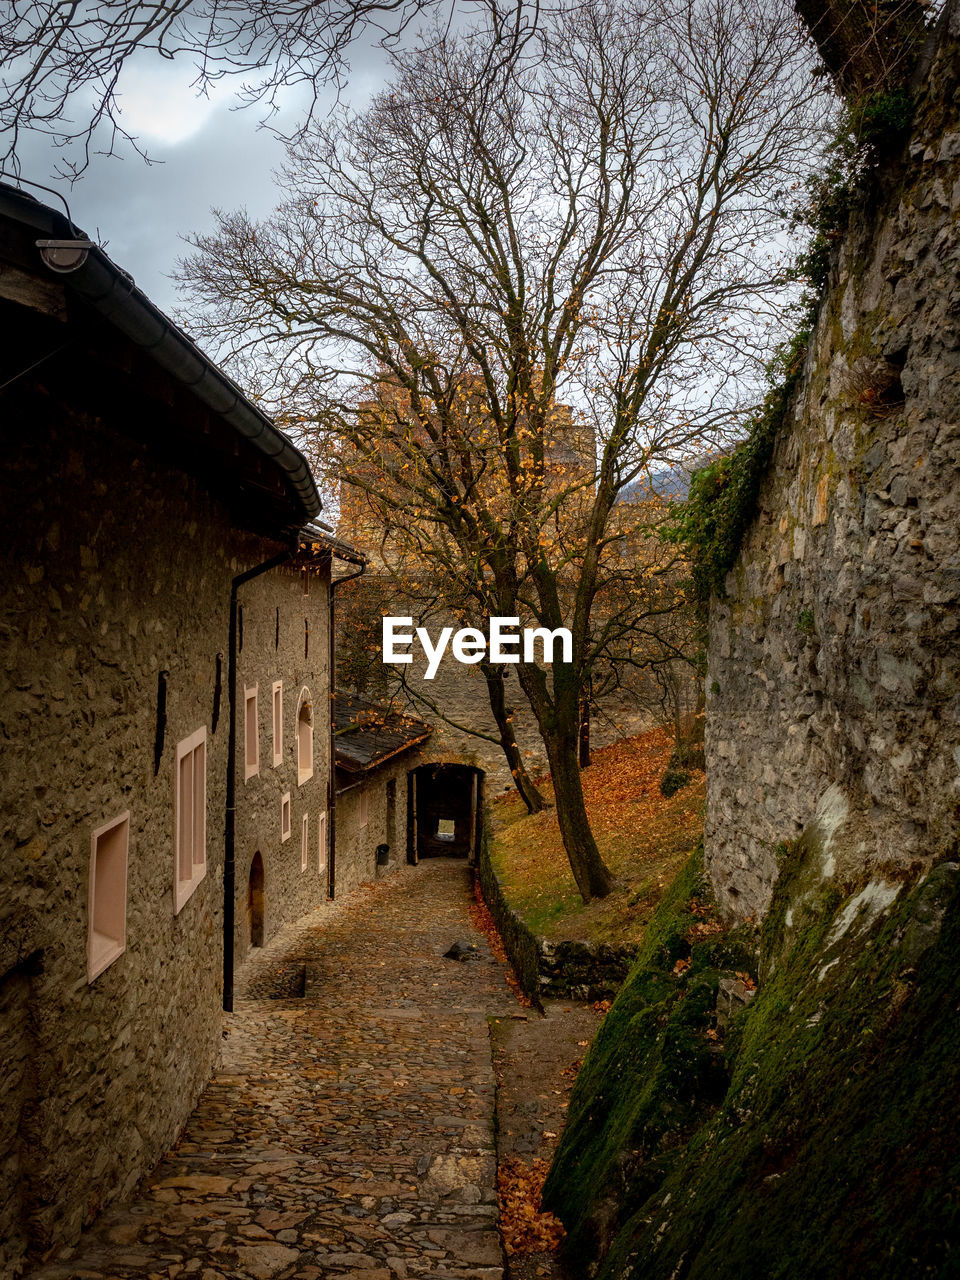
(723, 495)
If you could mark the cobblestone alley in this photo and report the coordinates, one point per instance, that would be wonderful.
(350, 1130)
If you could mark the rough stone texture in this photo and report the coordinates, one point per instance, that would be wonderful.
(117, 566)
(833, 684)
(356, 845)
(286, 621)
(349, 1134)
(573, 968)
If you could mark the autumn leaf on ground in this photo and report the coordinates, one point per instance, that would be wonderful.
(525, 1226)
(484, 922)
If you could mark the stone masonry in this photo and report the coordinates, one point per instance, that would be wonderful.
(92, 612)
(834, 675)
(349, 1132)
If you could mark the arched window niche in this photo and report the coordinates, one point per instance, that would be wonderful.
(304, 737)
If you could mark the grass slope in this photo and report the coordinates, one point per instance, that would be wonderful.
(643, 837)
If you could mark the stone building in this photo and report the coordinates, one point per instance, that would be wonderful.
(164, 695)
(394, 802)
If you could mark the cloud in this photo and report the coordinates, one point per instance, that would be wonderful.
(206, 154)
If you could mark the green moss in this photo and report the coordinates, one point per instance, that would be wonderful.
(827, 1144)
(651, 1075)
(674, 780)
(723, 495)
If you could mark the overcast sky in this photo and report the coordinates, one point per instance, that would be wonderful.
(212, 156)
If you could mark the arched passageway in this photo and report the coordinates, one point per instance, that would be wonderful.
(255, 901)
(444, 811)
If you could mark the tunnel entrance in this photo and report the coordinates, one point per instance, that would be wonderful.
(444, 811)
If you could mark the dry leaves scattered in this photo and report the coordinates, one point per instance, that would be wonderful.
(526, 1228)
(483, 921)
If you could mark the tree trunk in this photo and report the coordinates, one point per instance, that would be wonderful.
(592, 875)
(502, 715)
(585, 730)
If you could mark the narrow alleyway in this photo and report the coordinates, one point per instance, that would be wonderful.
(350, 1130)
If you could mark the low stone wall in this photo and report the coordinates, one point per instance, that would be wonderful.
(583, 970)
(551, 970)
(521, 944)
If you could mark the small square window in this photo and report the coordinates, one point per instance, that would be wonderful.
(251, 735)
(107, 898)
(364, 808)
(446, 829)
(304, 840)
(285, 817)
(321, 842)
(277, 723)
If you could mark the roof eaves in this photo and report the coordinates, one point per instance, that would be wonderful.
(110, 291)
(342, 762)
(316, 532)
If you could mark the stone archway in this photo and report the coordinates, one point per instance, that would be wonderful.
(447, 807)
(255, 901)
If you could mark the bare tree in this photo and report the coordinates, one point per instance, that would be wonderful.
(409, 573)
(594, 219)
(62, 64)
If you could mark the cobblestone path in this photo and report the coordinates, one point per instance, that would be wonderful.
(350, 1130)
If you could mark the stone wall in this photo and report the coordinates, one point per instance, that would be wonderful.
(286, 621)
(568, 968)
(834, 678)
(356, 844)
(117, 570)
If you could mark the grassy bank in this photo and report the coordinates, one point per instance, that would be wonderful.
(643, 837)
(816, 1134)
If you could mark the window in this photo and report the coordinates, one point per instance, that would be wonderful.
(285, 817)
(251, 735)
(190, 816)
(445, 829)
(321, 842)
(304, 838)
(364, 814)
(304, 738)
(107, 899)
(277, 723)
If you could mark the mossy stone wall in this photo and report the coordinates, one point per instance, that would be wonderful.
(834, 660)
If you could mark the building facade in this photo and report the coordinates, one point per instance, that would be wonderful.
(159, 555)
(376, 752)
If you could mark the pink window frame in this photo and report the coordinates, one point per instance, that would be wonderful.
(103, 948)
(251, 767)
(276, 704)
(184, 887)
